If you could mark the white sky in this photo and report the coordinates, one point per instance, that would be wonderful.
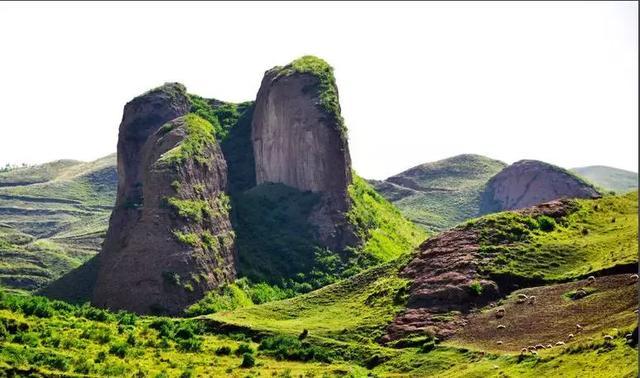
(418, 81)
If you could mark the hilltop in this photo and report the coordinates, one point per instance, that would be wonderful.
(609, 178)
(441, 194)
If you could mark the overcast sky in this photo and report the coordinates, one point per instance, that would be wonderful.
(418, 82)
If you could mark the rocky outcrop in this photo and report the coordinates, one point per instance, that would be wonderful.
(169, 237)
(299, 140)
(449, 280)
(530, 182)
(443, 274)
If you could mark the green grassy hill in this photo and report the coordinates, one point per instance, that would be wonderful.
(335, 330)
(351, 316)
(53, 218)
(609, 178)
(439, 195)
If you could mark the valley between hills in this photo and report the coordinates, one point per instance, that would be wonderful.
(235, 239)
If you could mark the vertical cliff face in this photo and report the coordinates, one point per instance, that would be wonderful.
(299, 140)
(530, 182)
(169, 237)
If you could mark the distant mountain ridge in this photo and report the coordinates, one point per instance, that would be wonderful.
(609, 178)
(441, 194)
(53, 218)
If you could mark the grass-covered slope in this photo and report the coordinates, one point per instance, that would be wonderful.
(441, 194)
(39, 337)
(350, 316)
(53, 217)
(609, 178)
(596, 235)
(276, 245)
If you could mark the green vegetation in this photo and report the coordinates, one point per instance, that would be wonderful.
(327, 89)
(595, 235)
(277, 244)
(44, 337)
(612, 179)
(240, 293)
(191, 209)
(439, 195)
(54, 217)
(223, 116)
(199, 135)
(387, 234)
(356, 309)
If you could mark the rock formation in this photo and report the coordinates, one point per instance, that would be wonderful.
(530, 182)
(169, 237)
(299, 140)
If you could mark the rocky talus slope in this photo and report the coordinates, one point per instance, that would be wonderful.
(170, 237)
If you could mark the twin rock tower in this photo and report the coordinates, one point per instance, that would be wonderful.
(170, 236)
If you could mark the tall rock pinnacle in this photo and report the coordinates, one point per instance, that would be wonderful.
(169, 239)
(299, 140)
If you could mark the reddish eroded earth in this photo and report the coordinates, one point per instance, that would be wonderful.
(443, 272)
(446, 285)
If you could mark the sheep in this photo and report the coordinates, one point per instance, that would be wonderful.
(628, 336)
(571, 336)
(499, 342)
(560, 343)
(501, 326)
(532, 299)
(549, 346)
(590, 280)
(522, 296)
(524, 350)
(608, 337)
(578, 328)
(521, 301)
(500, 312)
(634, 277)
(539, 346)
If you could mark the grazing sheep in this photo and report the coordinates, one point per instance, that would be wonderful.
(578, 328)
(531, 347)
(560, 343)
(499, 342)
(524, 350)
(499, 312)
(521, 300)
(501, 326)
(492, 305)
(532, 299)
(634, 277)
(539, 346)
(522, 296)
(608, 337)
(590, 280)
(635, 311)
(549, 346)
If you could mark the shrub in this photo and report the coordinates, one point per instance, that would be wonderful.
(290, 348)
(223, 350)
(248, 360)
(476, 287)
(119, 349)
(193, 344)
(126, 318)
(546, 223)
(244, 348)
(163, 326)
